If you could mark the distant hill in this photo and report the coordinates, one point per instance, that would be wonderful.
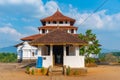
(8, 49)
(109, 50)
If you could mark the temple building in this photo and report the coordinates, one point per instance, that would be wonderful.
(57, 43)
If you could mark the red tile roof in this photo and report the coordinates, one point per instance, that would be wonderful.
(32, 37)
(58, 16)
(58, 36)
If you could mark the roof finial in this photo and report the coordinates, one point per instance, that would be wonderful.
(57, 9)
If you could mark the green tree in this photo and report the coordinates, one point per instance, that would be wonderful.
(8, 57)
(93, 46)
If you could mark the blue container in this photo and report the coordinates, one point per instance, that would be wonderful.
(39, 62)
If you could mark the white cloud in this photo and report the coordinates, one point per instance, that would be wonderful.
(9, 33)
(34, 8)
(3, 2)
(98, 20)
(30, 30)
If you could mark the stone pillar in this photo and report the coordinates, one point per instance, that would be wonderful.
(77, 50)
(47, 31)
(40, 31)
(51, 50)
(64, 50)
(75, 31)
(39, 50)
(68, 31)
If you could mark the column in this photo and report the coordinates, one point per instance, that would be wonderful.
(68, 31)
(77, 50)
(39, 50)
(64, 50)
(47, 31)
(40, 31)
(51, 50)
(74, 31)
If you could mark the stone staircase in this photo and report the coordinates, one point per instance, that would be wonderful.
(56, 70)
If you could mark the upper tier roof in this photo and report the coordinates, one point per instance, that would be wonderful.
(58, 16)
(60, 27)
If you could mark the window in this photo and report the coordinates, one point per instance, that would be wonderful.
(66, 22)
(67, 50)
(54, 22)
(61, 22)
(44, 23)
(72, 30)
(43, 30)
(48, 22)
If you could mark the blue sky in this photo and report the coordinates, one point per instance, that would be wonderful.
(20, 18)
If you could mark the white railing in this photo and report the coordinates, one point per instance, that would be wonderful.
(57, 24)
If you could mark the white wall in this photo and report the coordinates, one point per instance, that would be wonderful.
(48, 61)
(27, 54)
(74, 61)
(25, 51)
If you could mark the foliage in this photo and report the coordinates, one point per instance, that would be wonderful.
(8, 57)
(32, 72)
(90, 60)
(68, 71)
(110, 58)
(93, 46)
(102, 57)
(75, 72)
(27, 69)
(43, 70)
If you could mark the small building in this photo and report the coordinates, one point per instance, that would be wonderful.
(57, 43)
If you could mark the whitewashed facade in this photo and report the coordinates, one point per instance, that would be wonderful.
(73, 59)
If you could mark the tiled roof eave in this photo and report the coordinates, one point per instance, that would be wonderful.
(58, 43)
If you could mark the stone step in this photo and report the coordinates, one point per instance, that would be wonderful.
(57, 69)
(56, 73)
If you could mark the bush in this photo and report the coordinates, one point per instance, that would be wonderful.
(75, 72)
(110, 58)
(90, 60)
(28, 70)
(32, 72)
(68, 71)
(43, 70)
(8, 57)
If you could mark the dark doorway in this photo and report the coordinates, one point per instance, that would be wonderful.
(58, 54)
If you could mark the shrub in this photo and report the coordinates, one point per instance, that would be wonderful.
(43, 70)
(8, 57)
(27, 69)
(89, 60)
(32, 72)
(68, 71)
(75, 72)
(110, 58)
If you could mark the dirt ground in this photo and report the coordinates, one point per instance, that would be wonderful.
(102, 72)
